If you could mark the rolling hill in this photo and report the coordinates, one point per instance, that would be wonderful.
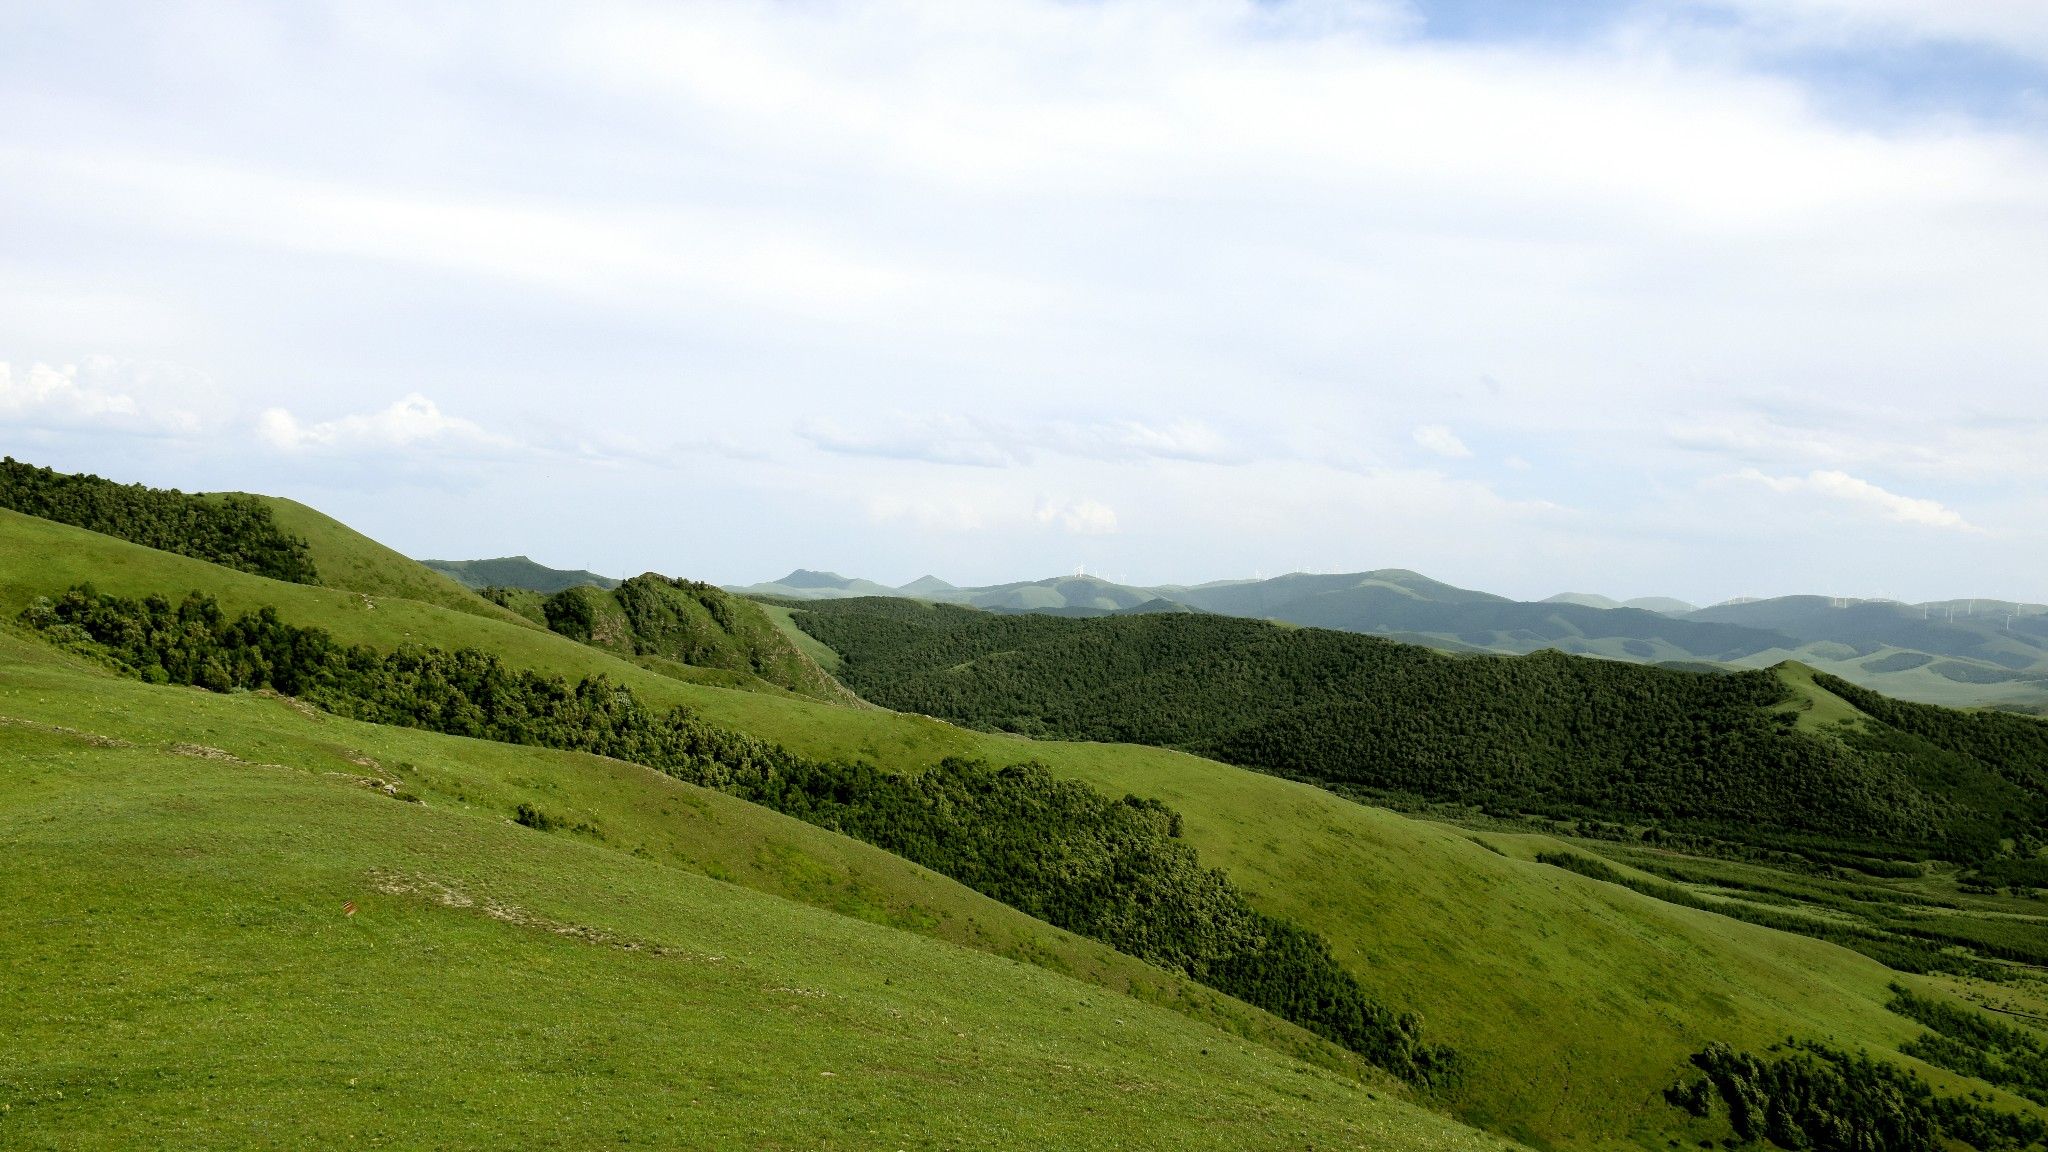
(1572, 1002)
(306, 930)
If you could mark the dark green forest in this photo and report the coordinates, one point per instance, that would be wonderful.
(232, 530)
(1546, 734)
(1113, 870)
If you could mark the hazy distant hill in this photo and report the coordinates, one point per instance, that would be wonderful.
(518, 572)
(1664, 604)
(2012, 636)
(1992, 653)
(1398, 601)
(805, 584)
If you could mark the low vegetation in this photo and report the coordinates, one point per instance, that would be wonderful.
(1892, 950)
(1570, 1003)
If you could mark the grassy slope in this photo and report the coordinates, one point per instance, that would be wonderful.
(703, 626)
(810, 645)
(1817, 708)
(621, 806)
(347, 559)
(181, 972)
(1576, 1001)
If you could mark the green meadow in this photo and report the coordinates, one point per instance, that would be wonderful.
(177, 864)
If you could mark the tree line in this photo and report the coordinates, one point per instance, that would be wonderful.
(1113, 870)
(232, 530)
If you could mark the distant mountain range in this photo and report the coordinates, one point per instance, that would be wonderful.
(1961, 652)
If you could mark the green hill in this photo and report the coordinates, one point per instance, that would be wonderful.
(347, 559)
(231, 529)
(663, 622)
(291, 953)
(1573, 1002)
(1545, 733)
(517, 572)
(805, 584)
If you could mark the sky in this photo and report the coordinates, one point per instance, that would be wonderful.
(1701, 298)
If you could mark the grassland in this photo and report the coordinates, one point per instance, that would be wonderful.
(810, 645)
(347, 559)
(1575, 1002)
(183, 971)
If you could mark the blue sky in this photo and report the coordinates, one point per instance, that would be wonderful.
(1700, 299)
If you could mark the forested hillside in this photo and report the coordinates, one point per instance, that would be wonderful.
(656, 619)
(1546, 733)
(232, 530)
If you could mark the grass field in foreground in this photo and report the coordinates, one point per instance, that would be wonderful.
(610, 803)
(1574, 1002)
(182, 971)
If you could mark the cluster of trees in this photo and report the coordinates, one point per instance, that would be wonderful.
(1114, 870)
(234, 530)
(1808, 1096)
(1969, 1042)
(1547, 733)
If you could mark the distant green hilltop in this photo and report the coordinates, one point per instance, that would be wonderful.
(518, 572)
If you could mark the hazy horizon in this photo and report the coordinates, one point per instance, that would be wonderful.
(1708, 299)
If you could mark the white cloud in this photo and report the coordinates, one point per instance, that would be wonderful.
(2016, 26)
(1122, 240)
(929, 513)
(1850, 489)
(1083, 517)
(97, 395)
(1974, 447)
(412, 424)
(1442, 441)
(986, 443)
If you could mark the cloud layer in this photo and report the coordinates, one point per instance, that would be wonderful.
(1694, 299)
